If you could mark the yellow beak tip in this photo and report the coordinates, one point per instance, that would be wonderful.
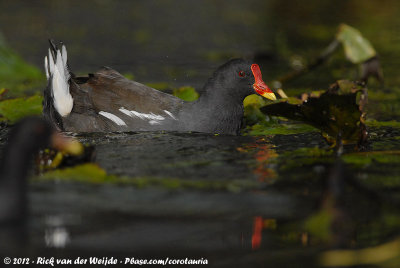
(270, 96)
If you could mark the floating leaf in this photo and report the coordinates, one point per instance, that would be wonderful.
(252, 113)
(319, 225)
(130, 76)
(15, 73)
(279, 129)
(162, 86)
(336, 112)
(12, 110)
(186, 93)
(386, 253)
(2, 92)
(356, 47)
(254, 99)
(92, 173)
(75, 154)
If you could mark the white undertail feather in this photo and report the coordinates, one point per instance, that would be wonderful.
(51, 62)
(46, 68)
(64, 55)
(57, 71)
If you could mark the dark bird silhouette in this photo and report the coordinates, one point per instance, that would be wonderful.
(24, 140)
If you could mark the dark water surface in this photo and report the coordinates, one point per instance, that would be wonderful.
(271, 190)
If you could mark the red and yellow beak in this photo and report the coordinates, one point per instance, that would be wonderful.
(259, 86)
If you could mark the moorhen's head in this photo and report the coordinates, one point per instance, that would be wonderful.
(241, 78)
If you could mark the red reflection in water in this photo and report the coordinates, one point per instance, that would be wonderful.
(257, 233)
(263, 153)
(263, 156)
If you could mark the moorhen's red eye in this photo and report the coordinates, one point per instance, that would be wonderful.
(242, 73)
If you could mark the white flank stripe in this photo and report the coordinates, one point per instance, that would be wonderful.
(170, 114)
(154, 122)
(125, 111)
(113, 118)
(143, 116)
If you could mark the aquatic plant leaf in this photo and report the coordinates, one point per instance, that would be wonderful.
(357, 48)
(11, 110)
(252, 113)
(387, 253)
(377, 157)
(319, 225)
(16, 74)
(130, 76)
(186, 93)
(278, 129)
(2, 92)
(335, 112)
(92, 173)
(162, 86)
(258, 124)
(51, 159)
(254, 99)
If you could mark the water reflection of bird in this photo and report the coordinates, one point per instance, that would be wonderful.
(25, 139)
(107, 101)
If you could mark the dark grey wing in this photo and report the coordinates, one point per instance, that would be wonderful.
(138, 106)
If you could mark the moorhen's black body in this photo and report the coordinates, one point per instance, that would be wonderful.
(107, 101)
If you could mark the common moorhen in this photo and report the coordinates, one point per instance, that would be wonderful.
(107, 101)
(25, 139)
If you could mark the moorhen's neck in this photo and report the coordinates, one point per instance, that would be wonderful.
(216, 90)
(221, 102)
(218, 110)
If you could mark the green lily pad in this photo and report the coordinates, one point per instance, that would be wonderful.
(255, 100)
(11, 110)
(186, 93)
(357, 48)
(162, 86)
(319, 225)
(16, 74)
(130, 76)
(89, 173)
(278, 129)
(92, 173)
(252, 113)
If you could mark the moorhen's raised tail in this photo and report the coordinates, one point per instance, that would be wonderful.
(107, 101)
